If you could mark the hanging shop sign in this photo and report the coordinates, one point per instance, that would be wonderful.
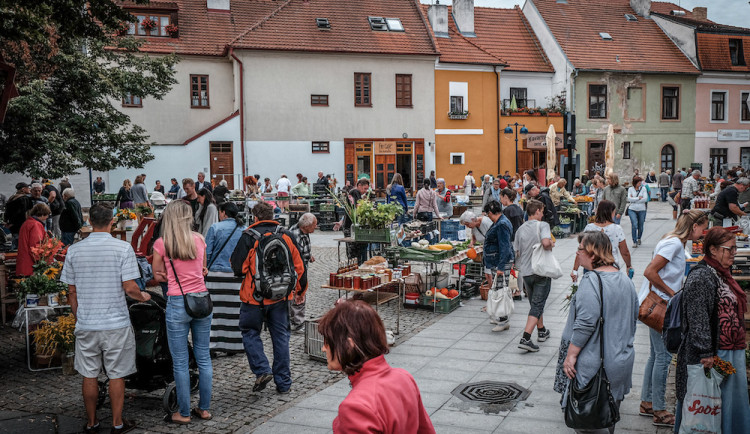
(539, 141)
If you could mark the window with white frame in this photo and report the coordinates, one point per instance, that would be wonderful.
(745, 106)
(719, 106)
(459, 97)
(457, 158)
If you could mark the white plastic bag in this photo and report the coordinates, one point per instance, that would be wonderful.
(499, 299)
(543, 262)
(701, 408)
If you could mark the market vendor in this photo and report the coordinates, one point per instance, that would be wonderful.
(445, 206)
(354, 250)
(479, 226)
(727, 205)
(557, 192)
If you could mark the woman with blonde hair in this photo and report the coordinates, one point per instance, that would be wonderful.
(180, 260)
(664, 277)
(124, 199)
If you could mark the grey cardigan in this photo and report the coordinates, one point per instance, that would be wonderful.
(618, 195)
(211, 217)
(620, 317)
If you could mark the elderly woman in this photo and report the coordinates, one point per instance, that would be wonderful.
(608, 293)
(603, 222)
(486, 183)
(713, 309)
(445, 206)
(492, 193)
(32, 232)
(664, 276)
(383, 399)
(479, 226)
(498, 251)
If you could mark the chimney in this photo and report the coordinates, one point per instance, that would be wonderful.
(438, 16)
(641, 7)
(463, 16)
(217, 4)
(700, 13)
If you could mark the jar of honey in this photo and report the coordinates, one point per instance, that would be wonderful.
(332, 279)
(348, 282)
(357, 283)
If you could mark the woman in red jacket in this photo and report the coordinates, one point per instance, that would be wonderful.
(32, 232)
(383, 399)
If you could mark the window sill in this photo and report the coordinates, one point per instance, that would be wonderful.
(318, 105)
(457, 116)
(718, 122)
(405, 106)
(200, 106)
(132, 106)
(670, 120)
(363, 105)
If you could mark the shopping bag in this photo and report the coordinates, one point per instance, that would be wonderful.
(499, 299)
(543, 262)
(701, 408)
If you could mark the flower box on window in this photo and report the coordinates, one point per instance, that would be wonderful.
(148, 24)
(172, 30)
(458, 115)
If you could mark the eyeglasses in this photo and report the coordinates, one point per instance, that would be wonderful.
(732, 249)
(580, 249)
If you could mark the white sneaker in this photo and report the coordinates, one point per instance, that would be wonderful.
(492, 321)
(501, 327)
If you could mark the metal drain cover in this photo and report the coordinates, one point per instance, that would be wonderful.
(491, 392)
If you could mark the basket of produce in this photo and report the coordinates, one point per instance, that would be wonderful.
(423, 251)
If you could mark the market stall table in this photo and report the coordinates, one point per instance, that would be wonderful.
(46, 310)
(117, 233)
(379, 298)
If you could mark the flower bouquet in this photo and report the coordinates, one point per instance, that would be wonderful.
(124, 217)
(723, 367)
(148, 24)
(569, 298)
(52, 337)
(44, 281)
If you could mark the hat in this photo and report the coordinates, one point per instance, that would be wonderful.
(503, 183)
(21, 185)
(528, 188)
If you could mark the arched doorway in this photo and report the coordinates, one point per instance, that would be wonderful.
(667, 158)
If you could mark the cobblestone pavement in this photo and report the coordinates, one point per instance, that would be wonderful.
(235, 407)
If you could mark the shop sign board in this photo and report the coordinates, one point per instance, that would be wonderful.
(384, 148)
(539, 141)
(733, 135)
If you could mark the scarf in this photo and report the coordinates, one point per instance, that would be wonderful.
(726, 275)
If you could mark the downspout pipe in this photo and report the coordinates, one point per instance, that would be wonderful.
(242, 115)
(497, 105)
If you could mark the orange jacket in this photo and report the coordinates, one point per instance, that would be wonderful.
(245, 252)
(31, 234)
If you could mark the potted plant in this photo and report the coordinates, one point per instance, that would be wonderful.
(124, 219)
(172, 30)
(458, 115)
(148, 24)
(55, 338)
(123, 28)
(565, 224)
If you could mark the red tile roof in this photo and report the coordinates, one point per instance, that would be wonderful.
(292, 27)
(637, 46)
(713, 52)
(503, 36)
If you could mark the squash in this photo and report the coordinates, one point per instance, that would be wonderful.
(424, 243)
(416, 246)
(444, 291)
(443, 246)
(440, 296)
(428, 293)
(471, 254)
(453, 293)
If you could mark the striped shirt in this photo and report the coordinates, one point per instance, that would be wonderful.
(97, 266)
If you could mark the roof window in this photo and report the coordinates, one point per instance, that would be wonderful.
(736, 52)
(631, 17)
(378, 23)
(606, 36)
(394, 25)
(323, 23)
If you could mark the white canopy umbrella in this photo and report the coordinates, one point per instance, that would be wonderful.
(609, 151)
(551, 152)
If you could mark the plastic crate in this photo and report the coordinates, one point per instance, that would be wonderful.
(373, 235)
(442, 305)
(327, 207)
(414, 254)
(470, 268)
(314, 341)
(449, 230)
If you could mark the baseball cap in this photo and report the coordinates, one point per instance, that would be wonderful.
(21, 185)
(528, 188)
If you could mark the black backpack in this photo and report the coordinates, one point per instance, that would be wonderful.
(275, 276)
(15, 211)
(671, 332)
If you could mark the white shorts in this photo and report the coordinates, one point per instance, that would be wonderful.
(114, 350)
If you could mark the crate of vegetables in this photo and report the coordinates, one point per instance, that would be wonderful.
(443, 300)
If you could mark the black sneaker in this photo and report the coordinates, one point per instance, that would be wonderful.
(91, 429)
(261, 381)
(543, 336)
(528, 345)
(127, 426)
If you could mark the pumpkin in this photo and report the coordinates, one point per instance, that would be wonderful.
(453, 293)
(471, 253)
(444, 291)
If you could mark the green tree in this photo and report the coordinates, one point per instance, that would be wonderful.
(71, 65)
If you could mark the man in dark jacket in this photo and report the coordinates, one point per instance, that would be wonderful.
(550, 212)
(56, 206)
(321, 184)
(71, 218)
(16, 208)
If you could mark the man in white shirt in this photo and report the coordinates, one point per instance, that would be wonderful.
(202, 183)
(283, 185)
(100, 271)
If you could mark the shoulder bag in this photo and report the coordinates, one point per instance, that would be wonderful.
(197, 304)
(593, 406)
(543, 262)
(652, 310)
(500, 299)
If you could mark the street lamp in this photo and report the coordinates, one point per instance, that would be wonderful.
(510, 129)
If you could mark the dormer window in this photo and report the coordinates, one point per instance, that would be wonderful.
(323, 23)
(151, 25)
(382, 24)
(736, 53)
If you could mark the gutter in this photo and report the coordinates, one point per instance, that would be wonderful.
(573, 93)
(497, 85)
(242, 114)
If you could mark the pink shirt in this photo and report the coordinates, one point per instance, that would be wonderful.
(189, 272)
(382, 400)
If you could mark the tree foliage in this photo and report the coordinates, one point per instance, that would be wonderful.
(71, 65)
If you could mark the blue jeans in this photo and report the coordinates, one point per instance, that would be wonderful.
(251, 323)
(616, 220)
(637, 220)
(68, 237)
(655, 375)
(664, 191)
(179, 324)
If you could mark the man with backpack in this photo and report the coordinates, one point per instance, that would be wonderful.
(268, 257)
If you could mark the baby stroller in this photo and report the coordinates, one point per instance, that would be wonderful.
(153, 360)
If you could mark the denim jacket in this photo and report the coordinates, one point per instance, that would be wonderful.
(498, 251)
(215, 237)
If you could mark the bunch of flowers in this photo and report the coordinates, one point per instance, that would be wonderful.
(123, 28)
(148, 24)
(52, 336)
(47, 250)
(723, 367)
(38, 283)
(172, 29)
(125, 214)
(569, 297)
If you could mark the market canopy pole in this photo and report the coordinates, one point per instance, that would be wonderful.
(551, 153)
(609, 151)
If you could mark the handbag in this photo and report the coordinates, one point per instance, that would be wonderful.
(652, 311)
(499, 299)
(197, 304)
(543, 262)
(593, 406)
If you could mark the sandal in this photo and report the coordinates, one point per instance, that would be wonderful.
(168, 419)
(646, 411)
(665, 420)
(199, 414)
